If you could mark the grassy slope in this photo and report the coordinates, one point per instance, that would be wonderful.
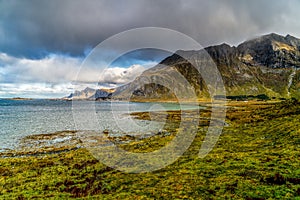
(256, 157)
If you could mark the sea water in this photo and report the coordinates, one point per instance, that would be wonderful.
(20, 118)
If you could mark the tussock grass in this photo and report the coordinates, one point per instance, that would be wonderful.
(256, 157)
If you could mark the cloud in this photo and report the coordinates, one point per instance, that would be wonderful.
(119, 75)
(42, 43)
(35, 90)
(53, 68)
(35, 28)
(57, 69)
(54, 75)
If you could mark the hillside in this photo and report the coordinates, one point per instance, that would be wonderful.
(256, 157)
(265, 65)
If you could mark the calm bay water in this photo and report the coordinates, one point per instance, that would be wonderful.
(20, 118)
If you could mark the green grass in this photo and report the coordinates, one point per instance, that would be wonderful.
(256, 157)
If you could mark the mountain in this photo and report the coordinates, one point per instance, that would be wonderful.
(91, 94)
(267, 65)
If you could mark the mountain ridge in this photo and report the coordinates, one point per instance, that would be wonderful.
(267, 65)
(91, 94)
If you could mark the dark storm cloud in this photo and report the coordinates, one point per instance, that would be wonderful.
(140, 56)
(33, 28)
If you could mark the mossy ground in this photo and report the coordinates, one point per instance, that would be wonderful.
(256, 157)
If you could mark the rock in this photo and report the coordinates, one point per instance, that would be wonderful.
(263, 65)
(91, 94)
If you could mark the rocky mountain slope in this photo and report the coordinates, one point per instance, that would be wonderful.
(91, 94)
(265, 65)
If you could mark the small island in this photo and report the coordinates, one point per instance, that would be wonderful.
(19, 98)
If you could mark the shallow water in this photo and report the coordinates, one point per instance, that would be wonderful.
(20, 118)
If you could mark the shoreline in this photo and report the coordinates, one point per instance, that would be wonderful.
(67, 140)
(257, 156)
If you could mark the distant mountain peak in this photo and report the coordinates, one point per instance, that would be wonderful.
(91, 94)
(272, 50)
(274, 36)
(271, 38)
(289, 36)
(267, 37)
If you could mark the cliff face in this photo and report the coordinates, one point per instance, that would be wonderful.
(273, 51)
(91, 94)
(265, 65)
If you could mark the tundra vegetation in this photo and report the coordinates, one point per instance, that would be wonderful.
(256, 157)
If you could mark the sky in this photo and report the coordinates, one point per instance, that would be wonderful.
(43, 43)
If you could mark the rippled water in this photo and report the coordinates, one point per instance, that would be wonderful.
(21, 118)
